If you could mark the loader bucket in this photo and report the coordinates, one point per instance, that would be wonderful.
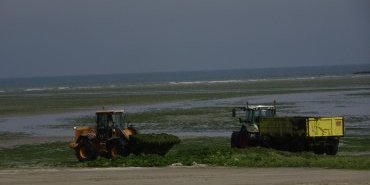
(152, 143)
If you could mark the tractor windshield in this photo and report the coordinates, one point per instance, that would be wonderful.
(118, 119)
(266, 113)
(110, 119)
(249, 115)
(102, 119)
(253, 115)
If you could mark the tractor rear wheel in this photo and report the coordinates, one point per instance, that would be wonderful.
(118, 147)
(243, 139)
(85, 150)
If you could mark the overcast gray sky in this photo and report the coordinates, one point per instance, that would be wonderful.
(69, 37)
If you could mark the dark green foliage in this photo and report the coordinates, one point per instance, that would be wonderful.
(152, 143)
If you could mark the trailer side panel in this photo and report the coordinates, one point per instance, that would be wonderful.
(325, 126)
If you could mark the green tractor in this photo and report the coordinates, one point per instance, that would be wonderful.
(249, 134)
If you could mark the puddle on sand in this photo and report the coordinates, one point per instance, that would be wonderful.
(312, 104)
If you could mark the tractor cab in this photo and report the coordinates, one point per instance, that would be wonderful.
(252, 115)
(107, 121)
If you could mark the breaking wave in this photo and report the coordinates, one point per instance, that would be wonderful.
(37, 89)
(254, 80)
(205, 82)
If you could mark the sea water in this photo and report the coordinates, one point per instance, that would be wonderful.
(189, 77)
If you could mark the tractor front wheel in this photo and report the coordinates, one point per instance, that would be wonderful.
(118, 147)
(85, 150)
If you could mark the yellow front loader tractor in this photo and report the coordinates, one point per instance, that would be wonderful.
(109, 137)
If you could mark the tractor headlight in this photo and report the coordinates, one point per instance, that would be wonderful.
(74, 132)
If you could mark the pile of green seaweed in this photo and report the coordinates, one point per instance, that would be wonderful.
(152, 143)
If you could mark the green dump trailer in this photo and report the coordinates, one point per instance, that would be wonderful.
(261, 127)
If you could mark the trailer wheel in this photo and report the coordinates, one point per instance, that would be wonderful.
(266, 141)
(319, 149)
(331, 150)
(85, 150)
(234, 139)
(332, 147)
(296, 146)
(118, 147)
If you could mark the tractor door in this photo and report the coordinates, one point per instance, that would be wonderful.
(250, 123)
(103, 121)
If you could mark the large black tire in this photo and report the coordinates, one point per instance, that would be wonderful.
(319, 149)
(118, 147)
(266, 141)
(234, 139)
(297, 145)
(332, 147)
(243, 139)
(253, 140)
(85, 151)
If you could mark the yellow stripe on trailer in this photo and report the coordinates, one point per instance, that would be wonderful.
(325, 126)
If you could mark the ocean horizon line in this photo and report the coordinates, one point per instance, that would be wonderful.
(181, 71)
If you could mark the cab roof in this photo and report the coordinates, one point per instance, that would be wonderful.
(255, 107)
(109, 111)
